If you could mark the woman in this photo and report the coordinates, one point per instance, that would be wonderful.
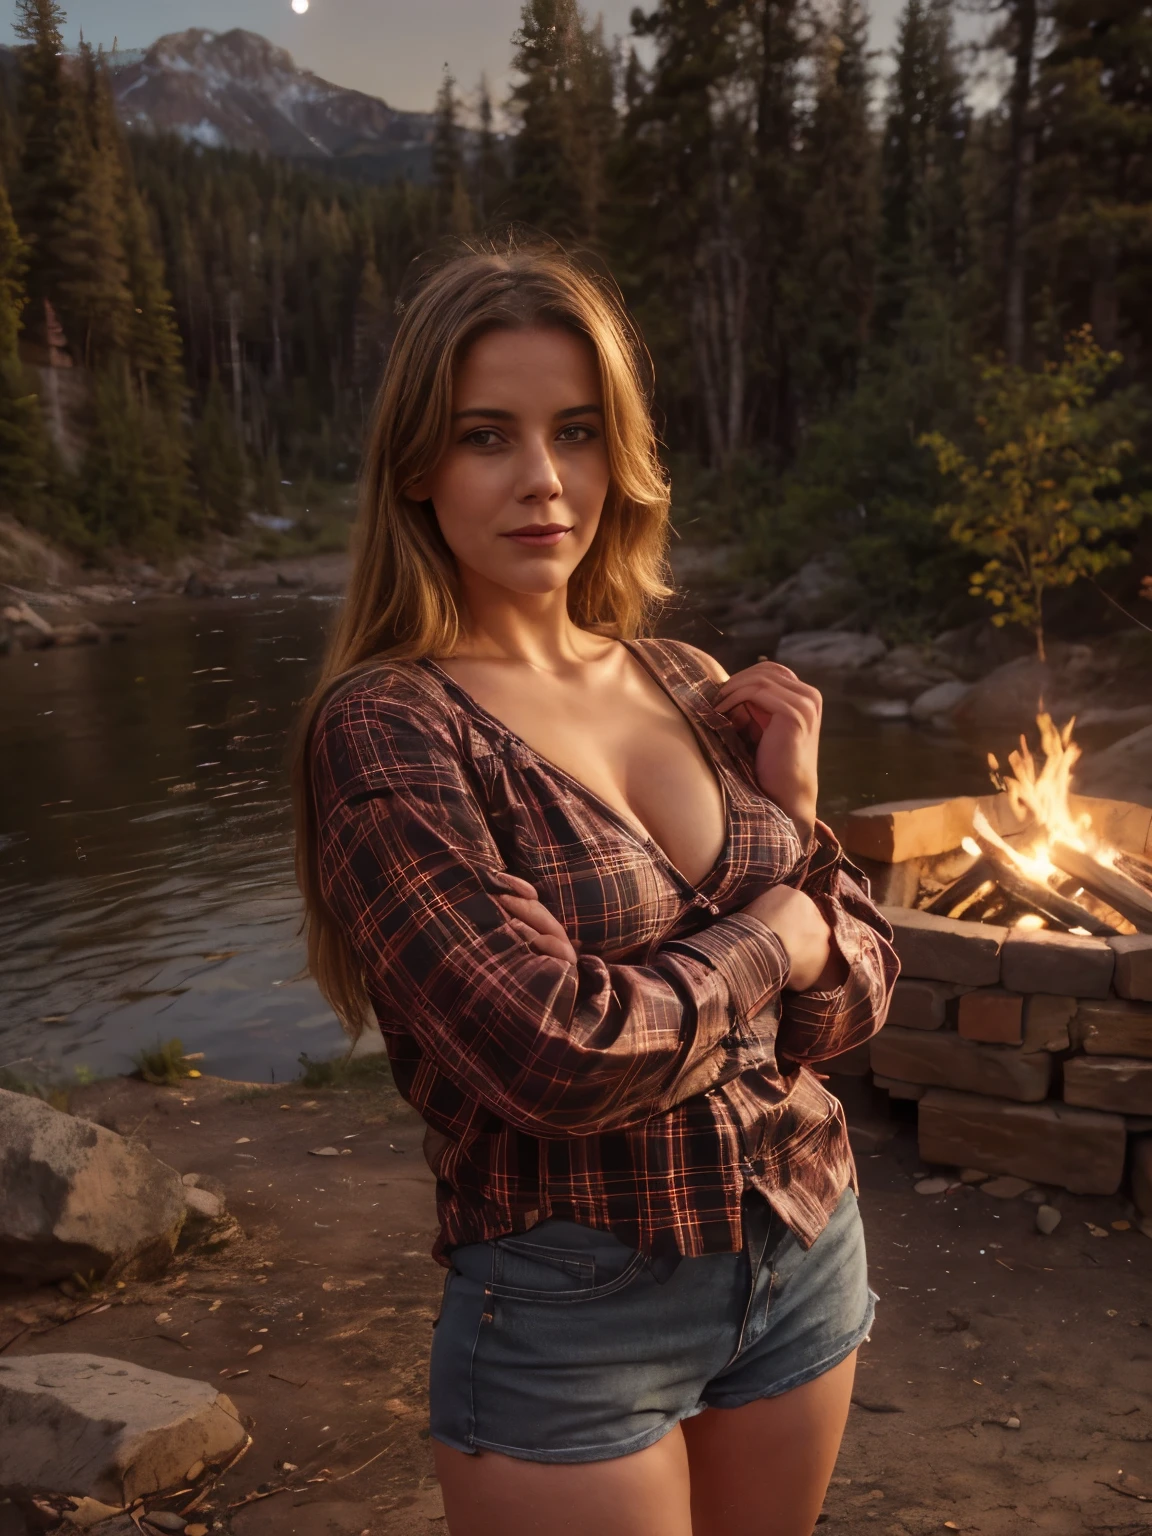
(577, 877)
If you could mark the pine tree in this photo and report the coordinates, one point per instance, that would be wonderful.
(92, 291)
(489, 169)
(923, 236)
(453, 206)
(51, 131)
(218, 464)
(564, 106)
(23, 439)
(840, 215)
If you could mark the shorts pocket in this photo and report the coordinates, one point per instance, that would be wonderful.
(524, 1269)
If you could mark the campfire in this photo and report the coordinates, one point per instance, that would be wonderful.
(1036, 860)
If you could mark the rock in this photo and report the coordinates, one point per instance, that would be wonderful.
(105, 1428)
(978, 647)
(972, 1175)
(1046, 1020)
(1122, 771)
(908, 829)
(1048, 1218)
(1078, 1149)
(1114, 1028)
(939, 702)
(944, 1060)
(165, 1520)
(1122, 1084)
(941, 949)
(1133, 976)
(78, 634)
(931, 1186)
(898, 1090)
(1142, 1174)
(884, 709)
(1011, 697)
(920, 1004)
(76, 1198)
(992, 1016)
(90, 1512)
(203, 1203)
(1049, 962)
(828, 650)
(1006, 1187)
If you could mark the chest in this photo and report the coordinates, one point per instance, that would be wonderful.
(630, 750)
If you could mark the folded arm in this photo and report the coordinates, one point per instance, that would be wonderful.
(410, 870)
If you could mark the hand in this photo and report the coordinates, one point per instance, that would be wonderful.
(779, 717)
(533, 921)
(797, 922)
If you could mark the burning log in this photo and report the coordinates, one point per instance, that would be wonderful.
(961, 890)
(1039, 897)
(1111, 885)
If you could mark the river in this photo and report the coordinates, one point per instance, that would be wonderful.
(146, 885)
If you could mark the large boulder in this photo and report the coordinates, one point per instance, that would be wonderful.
(84, 1424)
(829, 650)
(78, 1199)
(1122, 771)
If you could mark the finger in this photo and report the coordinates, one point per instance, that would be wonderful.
(533, 913)
(789, 685)
(545, 944)
(770, 672)
(501, 880)
(802, 713)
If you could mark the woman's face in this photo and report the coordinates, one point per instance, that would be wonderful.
(519, 492)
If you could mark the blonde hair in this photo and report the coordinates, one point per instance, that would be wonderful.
(403, 594)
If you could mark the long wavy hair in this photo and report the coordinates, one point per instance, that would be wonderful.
(403, 597)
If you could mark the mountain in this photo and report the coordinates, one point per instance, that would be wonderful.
(236, 90)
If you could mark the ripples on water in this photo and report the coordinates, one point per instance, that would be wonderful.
(146, 885)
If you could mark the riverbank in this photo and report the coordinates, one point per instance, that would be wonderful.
(1005, 1386)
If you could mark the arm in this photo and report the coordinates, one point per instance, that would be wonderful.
(410, 870)
(849, 1002)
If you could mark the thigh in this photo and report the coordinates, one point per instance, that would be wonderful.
(763, 1469)
(645, 1494)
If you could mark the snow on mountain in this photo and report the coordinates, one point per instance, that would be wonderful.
(237, 90)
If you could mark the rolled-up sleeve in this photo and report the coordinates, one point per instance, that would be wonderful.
(410, 870)
(817, 1025)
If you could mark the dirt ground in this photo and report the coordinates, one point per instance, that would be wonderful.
(314, 1310)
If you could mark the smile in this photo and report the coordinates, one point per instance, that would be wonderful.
(538, 535)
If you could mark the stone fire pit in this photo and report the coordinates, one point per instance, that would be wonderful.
(1028, 1053)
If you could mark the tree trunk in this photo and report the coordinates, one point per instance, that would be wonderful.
(1021, 156)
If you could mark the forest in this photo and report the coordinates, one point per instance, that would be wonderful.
(899, 309)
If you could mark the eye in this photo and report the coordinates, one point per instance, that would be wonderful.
(483, 437)
(576, 434)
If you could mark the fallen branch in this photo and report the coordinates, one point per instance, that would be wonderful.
(1129, 1493)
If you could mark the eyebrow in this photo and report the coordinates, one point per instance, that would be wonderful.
(495, 415)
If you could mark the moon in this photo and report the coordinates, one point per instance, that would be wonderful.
(299, 6)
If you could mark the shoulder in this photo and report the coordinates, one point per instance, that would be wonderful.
(676, 660)
(385, 723)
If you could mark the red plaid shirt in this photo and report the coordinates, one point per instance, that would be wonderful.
(646, 1088)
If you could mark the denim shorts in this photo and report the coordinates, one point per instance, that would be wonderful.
(563, 1344)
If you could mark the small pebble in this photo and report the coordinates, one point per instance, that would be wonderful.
(972, 1176)
(1036, 1197)
(1012, 1422)
(194, 1472)
(931, 1186)
(163, 1520)
(1048, 1218)
(324, 1152)
(1006, 1188)
(1121, 1226)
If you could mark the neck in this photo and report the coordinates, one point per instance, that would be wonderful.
(530, 627)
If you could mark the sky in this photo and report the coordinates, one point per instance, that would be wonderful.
(394, 49)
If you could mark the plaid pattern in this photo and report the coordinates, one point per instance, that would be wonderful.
(645, 1089)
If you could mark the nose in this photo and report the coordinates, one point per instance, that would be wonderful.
(538, 480)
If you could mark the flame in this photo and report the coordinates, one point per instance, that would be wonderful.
(1040, 795)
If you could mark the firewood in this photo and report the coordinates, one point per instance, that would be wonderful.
(1039, 898)
(1113, 886)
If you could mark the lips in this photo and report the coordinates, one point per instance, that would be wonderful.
(538, 535)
